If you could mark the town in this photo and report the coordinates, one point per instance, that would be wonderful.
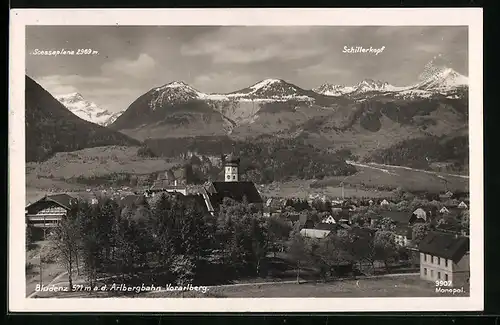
(226, 232)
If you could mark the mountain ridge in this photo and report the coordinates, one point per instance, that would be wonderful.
(51, 127)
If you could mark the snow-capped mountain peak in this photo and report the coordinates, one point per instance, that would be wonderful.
(71, 97)
(174, 92)
(271, 90)
(87, 110)
(442, 80)
(434, 80)
(370, 84)
(265, 83)
(328, 89)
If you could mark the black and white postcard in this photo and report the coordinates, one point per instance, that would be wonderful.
(299, 160)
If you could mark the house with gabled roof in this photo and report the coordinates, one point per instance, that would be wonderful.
(384, 202)
(48, 211)
(462, 205)
(444, 210)
(446, 196)
(329, 219)
(445, 257)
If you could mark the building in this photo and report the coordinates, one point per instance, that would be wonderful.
(444, 256)
(384, 203)
(446, 196)
(168, 182)
(272, 207)
(403, 235)
(417, 217)
(215, 192)
(314, 233)
(329, 219)
(47, 212)
(444, 210)
(231, 169)
(462, 205)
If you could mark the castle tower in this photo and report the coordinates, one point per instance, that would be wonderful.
(231, 169)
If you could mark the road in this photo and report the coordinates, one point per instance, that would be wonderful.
(382, 167)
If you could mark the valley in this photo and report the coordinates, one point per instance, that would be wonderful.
(292, 140)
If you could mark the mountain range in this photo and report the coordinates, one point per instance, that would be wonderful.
(367, 118)
(443, 81)
(51, 127)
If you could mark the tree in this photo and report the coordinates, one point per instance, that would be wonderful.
(331, 254)
(358, 244)
(385, 223)
(65, 239)
(419, 232)
(29, 235)
(385, 246)
(298, 251)
(277, 231)
(464, 221)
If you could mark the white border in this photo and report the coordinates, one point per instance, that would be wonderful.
(306, 17)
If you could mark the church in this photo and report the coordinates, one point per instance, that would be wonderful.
(232, 187)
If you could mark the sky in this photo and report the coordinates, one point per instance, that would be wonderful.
(131, 60)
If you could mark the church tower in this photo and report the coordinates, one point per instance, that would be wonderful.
(231, 169)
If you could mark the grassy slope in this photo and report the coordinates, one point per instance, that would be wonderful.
(396, 177)
(99, 161)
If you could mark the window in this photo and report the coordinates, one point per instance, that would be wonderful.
(439, 260)
(425, 271)
(228, 176)
(446, 277)
(234, 176)
(446, 262)
(439, 275)
(425, 257)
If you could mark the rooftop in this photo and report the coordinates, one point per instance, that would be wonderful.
(446, 245)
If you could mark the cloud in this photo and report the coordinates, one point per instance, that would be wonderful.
(324, 69)
(255, 45)
(63, 84)
(140, 67)
(428, 48)
(217, 82)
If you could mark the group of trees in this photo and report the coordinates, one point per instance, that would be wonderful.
(263, 160)
(421, 152)
(171, 239)
(354, 251)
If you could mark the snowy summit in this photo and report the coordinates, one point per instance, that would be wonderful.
(87, 110)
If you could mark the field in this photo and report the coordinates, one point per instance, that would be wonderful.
(58, 172)
(381, 176)
(386, 286)
(97, 161)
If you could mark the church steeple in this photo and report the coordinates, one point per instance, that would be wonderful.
(231, 168)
